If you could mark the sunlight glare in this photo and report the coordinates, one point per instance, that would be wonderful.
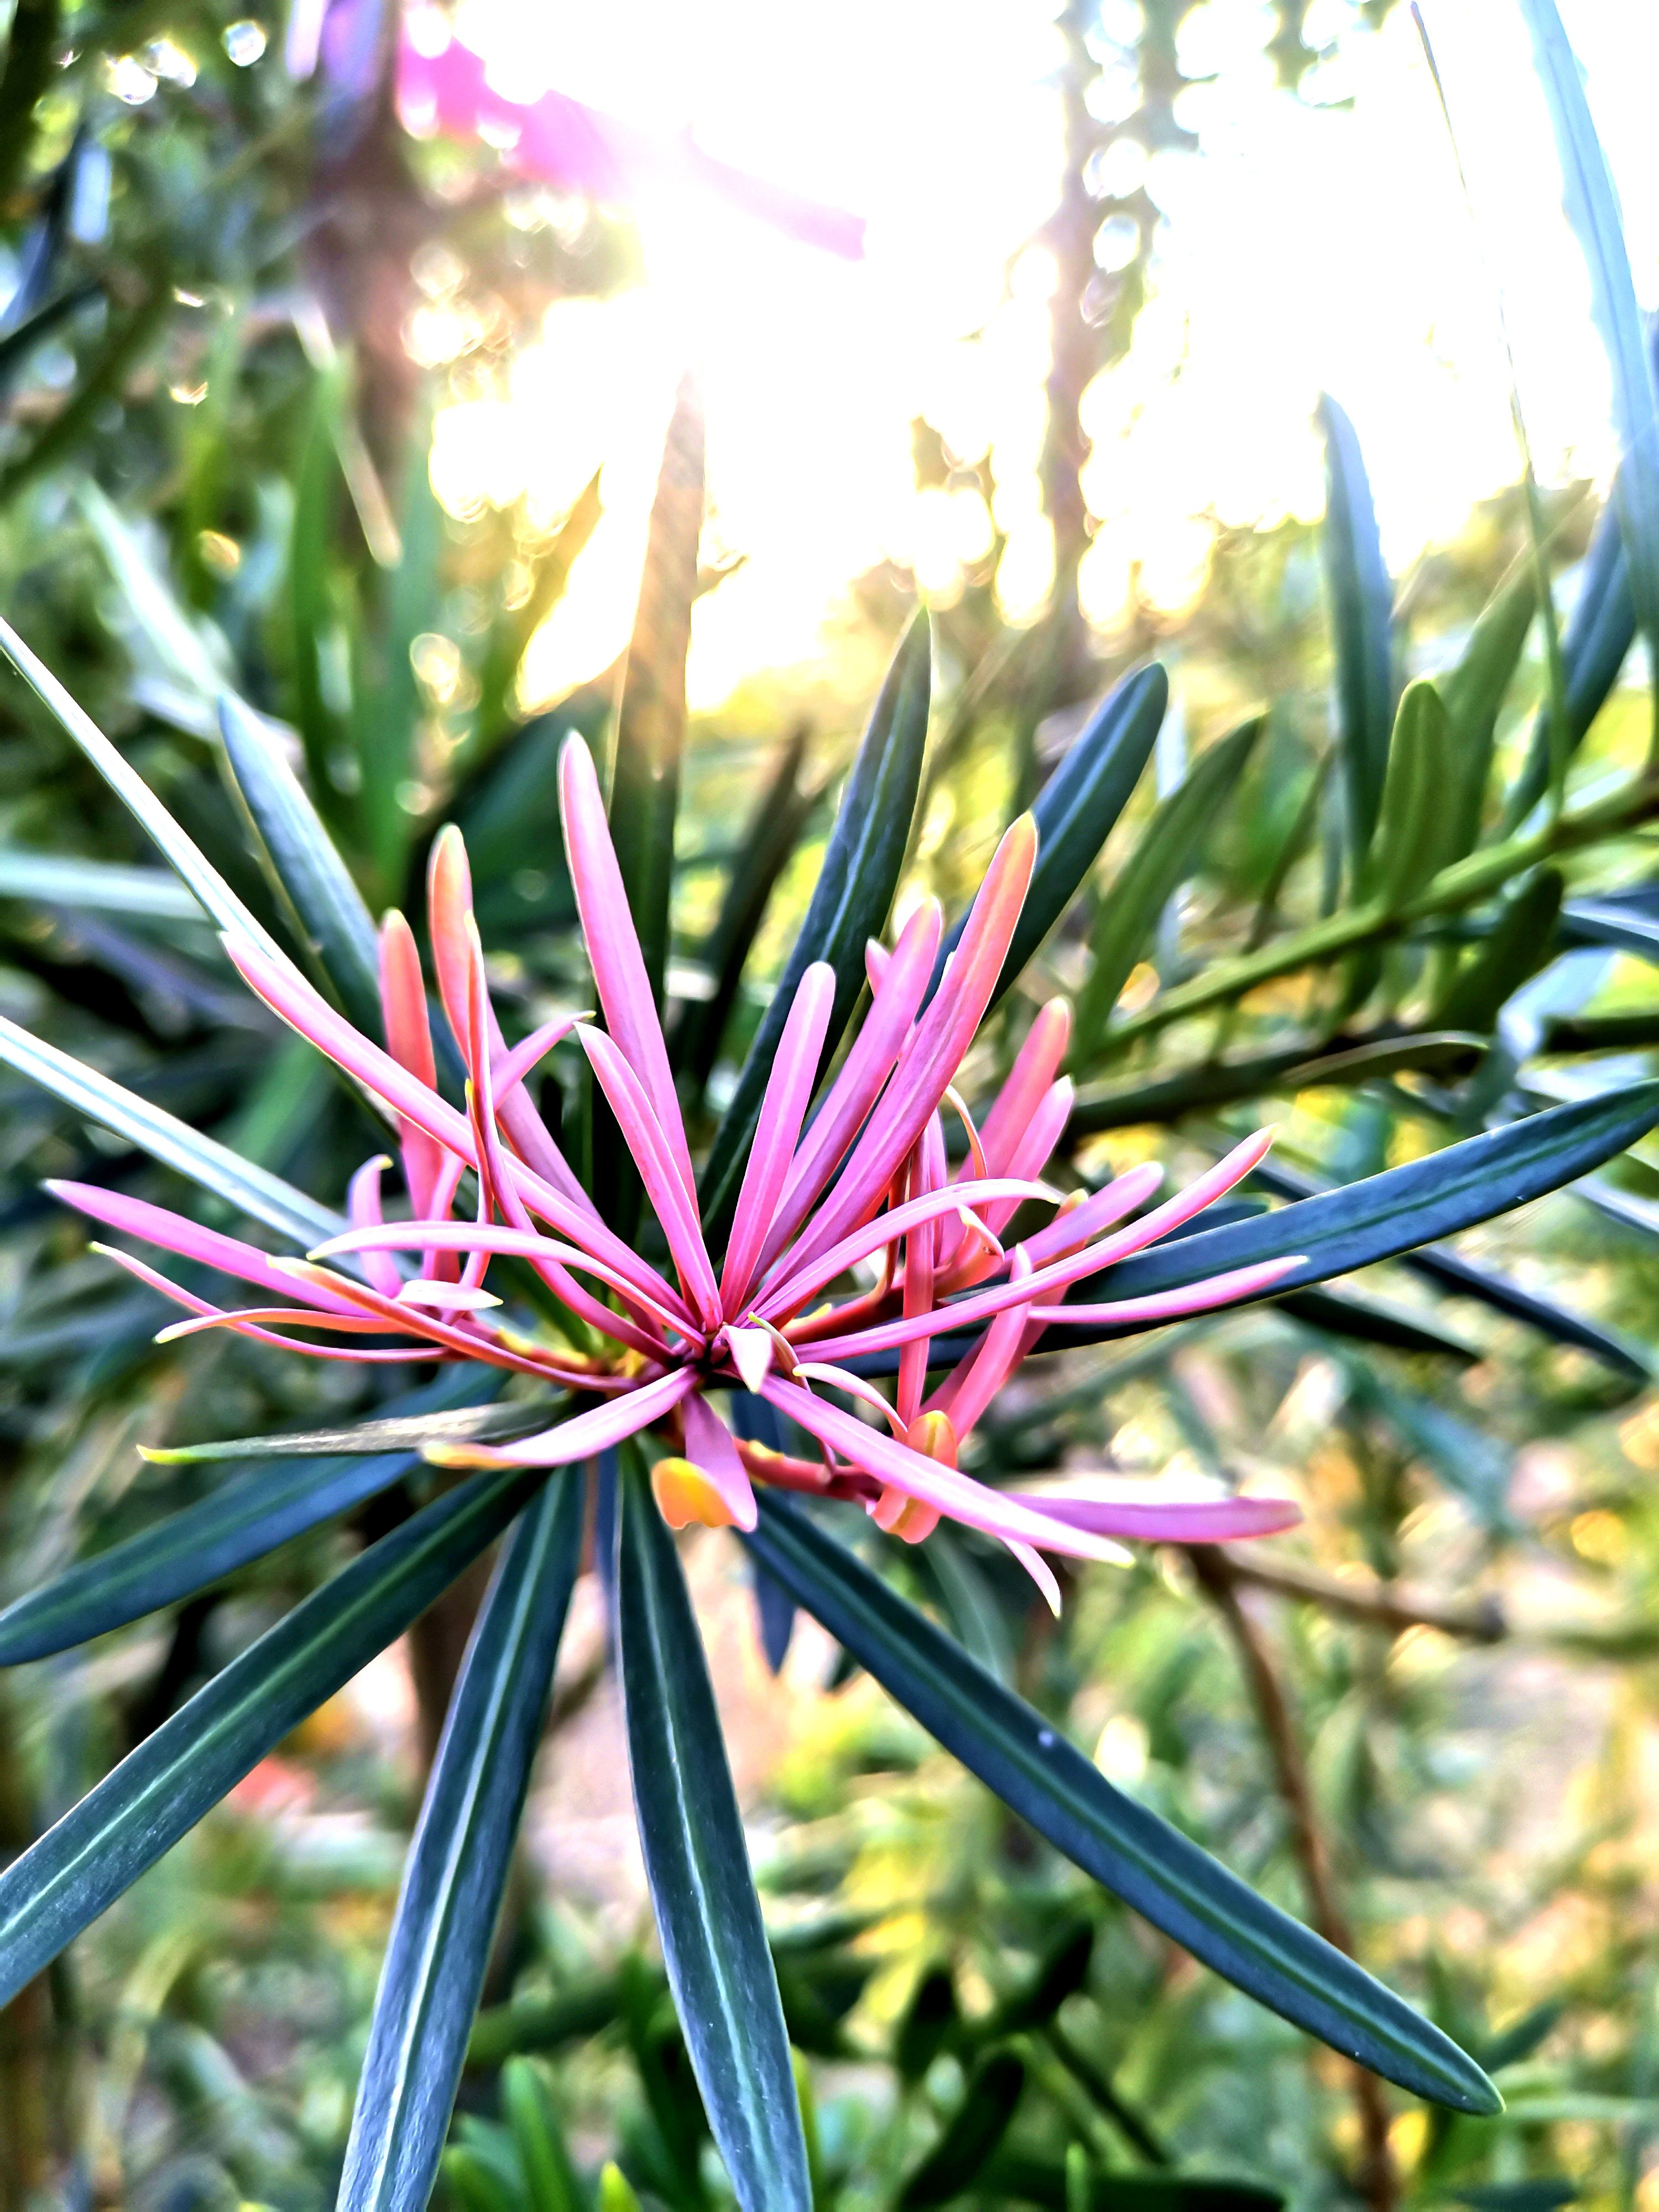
(1304, 250)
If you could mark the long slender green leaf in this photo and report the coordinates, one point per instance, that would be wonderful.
(252, 1190)
(408, 1432)
(319, 709)
(931, 2021)
(645, 781)
(1594, 647)
(1366, 1320)
(1592, 209)
(1302, 1067)
(127, 339)
(18, 342)
(1180, 1888)
(953, 2166)
(304, 864)
(1521, 942)
(1449, 1271)
(850, 899)
(1412, 839)
(1077, 808)
(771, 837)
(82, 1864)
(169, 631)
(95, 886)
(616, 2193)
(714, 1943)
(577, 2012)
(971, 1603)
(195, 870)
(245, 1518)
(1166, 855)
(1011, 2179)
(458, 1863)
(538, 2139)
(1472, 692)
(580, 2010)
(387, 702)
(1362, 614)
(1385, 1217)
(514, 627)
(31, 64)
(1628, 921)
(1060, 1972)
(475, 2184)
(59, 213)
(1390, 1213)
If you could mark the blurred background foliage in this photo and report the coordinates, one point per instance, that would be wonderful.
(1427, 1721)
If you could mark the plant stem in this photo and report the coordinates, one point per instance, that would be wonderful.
(1377, 2180)
(1381, 1604)
(1127, 2122)
(1464, 883)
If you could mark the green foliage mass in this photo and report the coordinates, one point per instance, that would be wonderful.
(1409, 922)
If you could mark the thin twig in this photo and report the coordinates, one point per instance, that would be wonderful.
(1383, 1605)
(1376, 2180)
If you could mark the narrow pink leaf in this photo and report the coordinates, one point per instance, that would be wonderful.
(928, 1175)
(286, 1316)
(472, 1341)
(1031, 1153)
(709, 1445)
(613, 948)
(510, 1068)
(1073, 1227)
(842, 1379)
(1036, 1141)
(445, 1297)
(1215, 1183)
(957, 1495)
(967, 1313)
(364, 1210)
(509, 1242)
(1169, 1305)
(943, 1036)
(752, 1354)
(302, 1007)
(408, 1040)
(788, 1093)
(155, 1280)
(793, 1291)
(1041, 1573)
(497, 1186)
(1036, 1066)
(582, 1435)
(1167, 1520)
(136, 1217)
(970, 1388)
(869, 1063)
(675, 1208)
(449, 917)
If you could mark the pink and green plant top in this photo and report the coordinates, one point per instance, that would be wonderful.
(866, 1183)
(869, 1258)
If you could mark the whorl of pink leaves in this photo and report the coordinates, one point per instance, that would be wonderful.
(443, 89)
(866, 1185)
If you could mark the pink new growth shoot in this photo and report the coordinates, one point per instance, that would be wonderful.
(865, 1185)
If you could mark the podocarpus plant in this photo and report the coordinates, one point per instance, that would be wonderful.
(626, 1353)
(621, 1352)
(600, 1322)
